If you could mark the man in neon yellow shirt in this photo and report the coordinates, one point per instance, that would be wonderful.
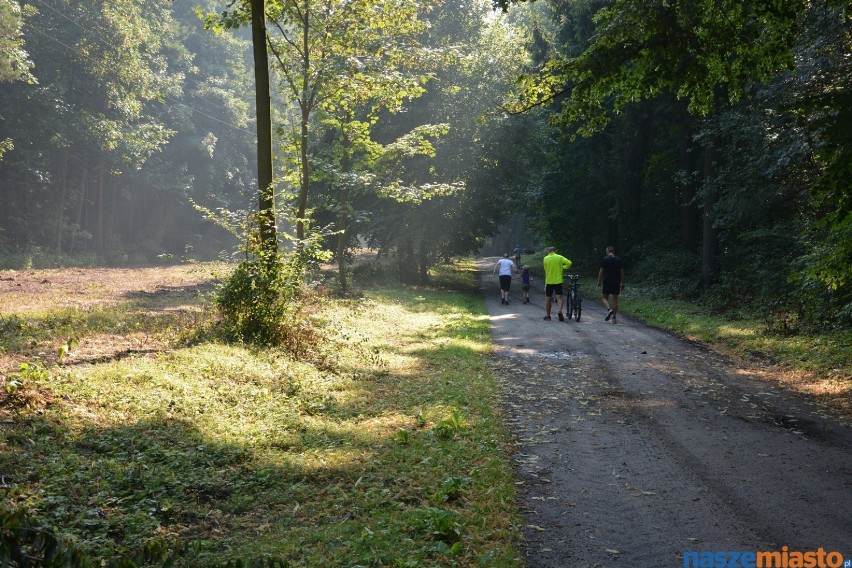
(554, 264)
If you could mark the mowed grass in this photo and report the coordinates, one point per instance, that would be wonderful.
(388, 452)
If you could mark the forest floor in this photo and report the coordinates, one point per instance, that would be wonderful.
(634, 446)
(142, 295)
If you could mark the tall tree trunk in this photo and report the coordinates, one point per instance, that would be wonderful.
(110, 222)
(637, 155)
(343, 237)
(343, 214)
(60, 201)
(265, 189)
(78, 218)
(423, 261)
(99, 209)
(305, 106)
(613, 233)
(686, 164)
(710, 237)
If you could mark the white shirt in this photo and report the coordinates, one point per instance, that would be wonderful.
(506, 267)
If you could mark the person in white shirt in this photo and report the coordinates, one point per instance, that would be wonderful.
(505, 268)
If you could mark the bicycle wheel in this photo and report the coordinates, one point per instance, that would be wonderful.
(578, 307)
(569, 305)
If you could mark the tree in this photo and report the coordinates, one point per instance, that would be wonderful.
(14, 61)
(448, 203)
(265, 189)
(705, 52)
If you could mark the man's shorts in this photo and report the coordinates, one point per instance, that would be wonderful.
(613, 288)
(525, 287)
(551, 289)
(505, 282)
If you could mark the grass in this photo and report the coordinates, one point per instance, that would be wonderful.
(394, 455)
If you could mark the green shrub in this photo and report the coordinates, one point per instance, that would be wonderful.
(260, 303)
(664, 273)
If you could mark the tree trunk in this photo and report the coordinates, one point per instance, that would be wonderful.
(60, 201)
(637, 156)
(686, 164)
(306, 113)
(110, 223)
(423, 262)
(265, 189)
(343, 237)
(343, 213)
(710, 243)
(78, 219)
(99, 210)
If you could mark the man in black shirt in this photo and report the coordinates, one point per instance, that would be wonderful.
(611, 273)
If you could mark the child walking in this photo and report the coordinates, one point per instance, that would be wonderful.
(525, 283)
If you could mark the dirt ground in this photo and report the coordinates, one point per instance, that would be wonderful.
(161, 291)
(633, 446)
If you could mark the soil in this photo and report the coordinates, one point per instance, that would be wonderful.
(160, 291)
(634, 446)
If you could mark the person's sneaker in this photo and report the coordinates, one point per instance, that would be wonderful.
(613, 319)
(561, 317)
(546, 318)
(608, 315)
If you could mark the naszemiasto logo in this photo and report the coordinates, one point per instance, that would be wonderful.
(784, 558)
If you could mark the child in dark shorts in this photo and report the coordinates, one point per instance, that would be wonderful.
(525, 283)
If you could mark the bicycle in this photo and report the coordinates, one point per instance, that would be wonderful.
(575, 303)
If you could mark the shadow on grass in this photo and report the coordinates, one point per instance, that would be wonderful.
(165, 297)
(119, 487)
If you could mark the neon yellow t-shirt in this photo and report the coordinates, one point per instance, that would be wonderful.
(554, 264)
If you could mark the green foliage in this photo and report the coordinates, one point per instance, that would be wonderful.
(260, 302)
(26, 544)
(667, 273)
(444, 525)
(696, 49)
(15, 64)
(452, 489)
(449, 427)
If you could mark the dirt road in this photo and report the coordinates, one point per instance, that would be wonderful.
(635, 447)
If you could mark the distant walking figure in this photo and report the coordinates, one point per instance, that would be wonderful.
(554, 265)
(505, 268)
(611, 273)
(526, 278)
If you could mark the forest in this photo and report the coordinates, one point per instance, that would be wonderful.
(246, 309)
(708, 141)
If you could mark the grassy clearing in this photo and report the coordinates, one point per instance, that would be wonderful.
(390, 455)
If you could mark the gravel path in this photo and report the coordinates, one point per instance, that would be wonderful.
(633, 446)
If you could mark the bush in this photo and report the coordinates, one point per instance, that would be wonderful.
(667, 273)
(261, 303)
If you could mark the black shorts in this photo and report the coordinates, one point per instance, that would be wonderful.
(505, 282)
(613, 288)
(553, 289)
(525, 287)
